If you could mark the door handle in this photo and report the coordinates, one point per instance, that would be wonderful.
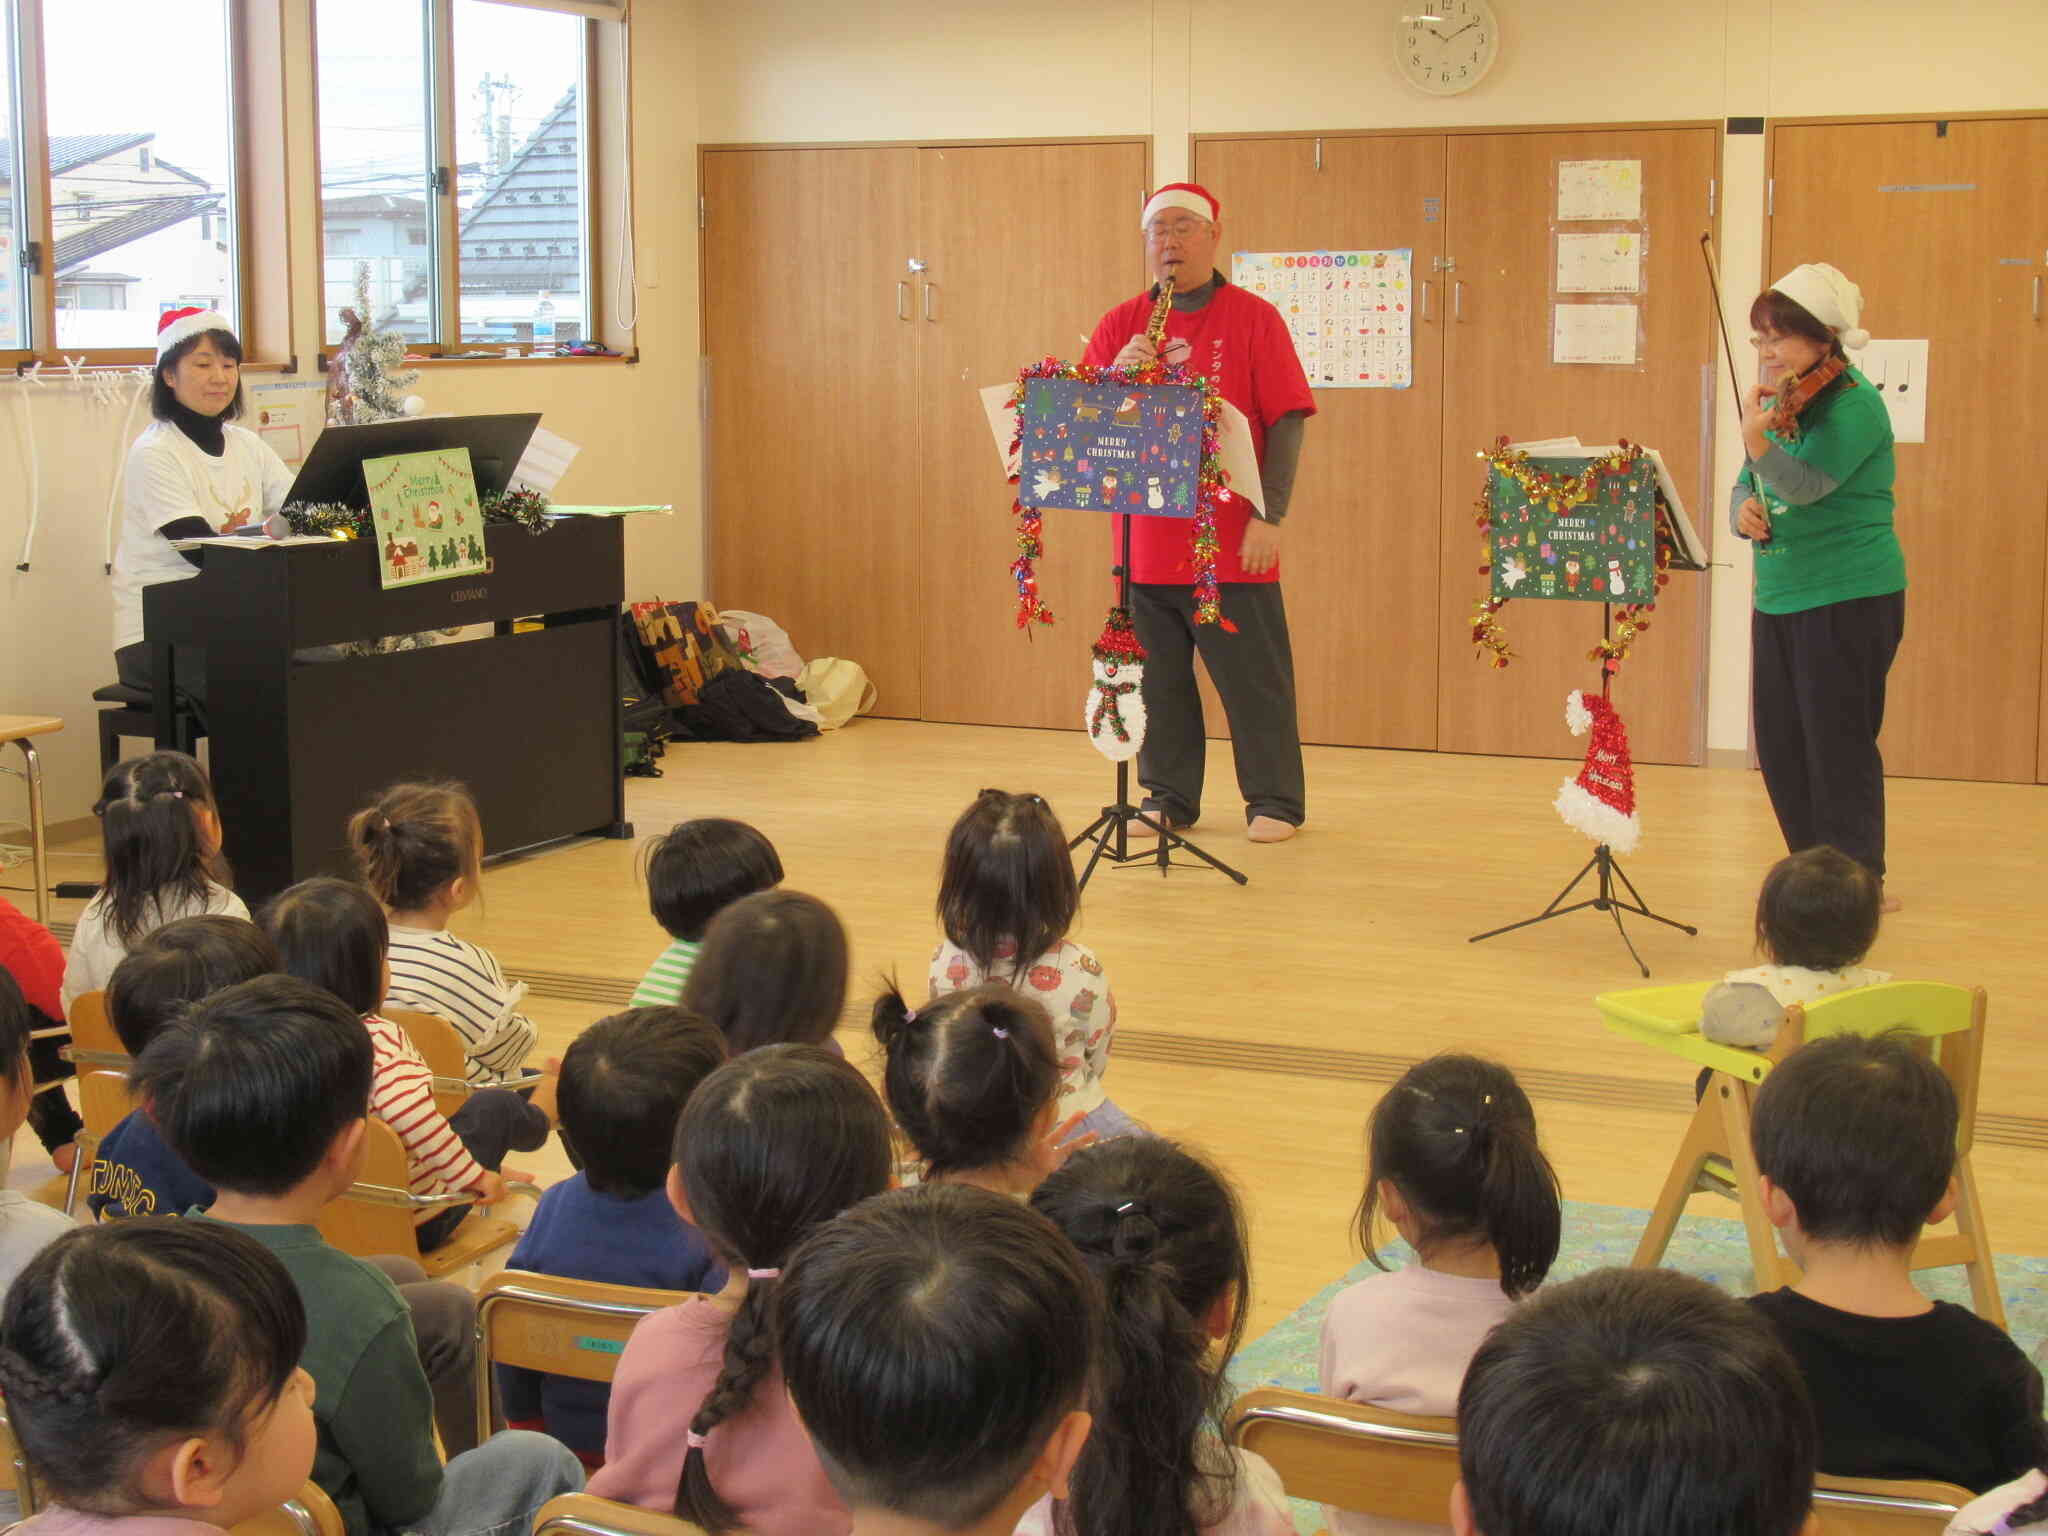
(1458, 301)
(930, 311)
(1426, 285)
(902, 300)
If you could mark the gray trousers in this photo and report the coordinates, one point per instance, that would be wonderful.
(1253, 671)
(496, 1489)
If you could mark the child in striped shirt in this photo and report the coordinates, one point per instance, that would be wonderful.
(693, 874)
(332, 933)
(419, 849)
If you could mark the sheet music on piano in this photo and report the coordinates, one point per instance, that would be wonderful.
(238, 541)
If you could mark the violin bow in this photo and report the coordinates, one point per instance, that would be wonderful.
(1727, 347)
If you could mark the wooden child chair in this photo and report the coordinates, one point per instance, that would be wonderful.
(379, 1213)
(1352, 1456)
(309, 1513)
(549, 1323)
(1868, 1506)
(579, 1514)
(1715, 1153)
(441, 1047)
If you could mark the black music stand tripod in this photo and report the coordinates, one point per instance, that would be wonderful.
(1605, 897)
(1110, 832)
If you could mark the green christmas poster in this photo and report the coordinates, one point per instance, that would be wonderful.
(429, 527)
(1601, 550)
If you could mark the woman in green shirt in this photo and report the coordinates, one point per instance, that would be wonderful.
(1830, 601)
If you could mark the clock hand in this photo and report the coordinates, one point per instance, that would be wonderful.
(1462, 30)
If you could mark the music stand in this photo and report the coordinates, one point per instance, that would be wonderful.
(333, 471)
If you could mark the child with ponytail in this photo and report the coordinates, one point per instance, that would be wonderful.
(1163, 1232)
(162, 839)
(973, 1080)
(771, 1145)
(1453, 1163)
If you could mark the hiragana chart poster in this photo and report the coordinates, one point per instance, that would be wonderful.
(428, 524)
(1349, 312)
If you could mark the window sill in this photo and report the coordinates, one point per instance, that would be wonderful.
(516, 362)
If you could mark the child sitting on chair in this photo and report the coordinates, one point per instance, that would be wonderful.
(693, 874)
(624, 1084)
(1855, 1142)
(1633, 1400)
(1816, 918)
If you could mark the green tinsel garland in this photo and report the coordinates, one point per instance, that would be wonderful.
(328, 519)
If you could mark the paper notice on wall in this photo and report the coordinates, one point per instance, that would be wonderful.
(288, 415)
(1600, 189)
(1593, 333)
(1897, 370)
(546, 460)
(1348, 312)
(1604, 263)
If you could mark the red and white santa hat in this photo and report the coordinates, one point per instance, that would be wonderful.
(180, 325)
(1825, 293)
(1180, 194)
(1601, 801)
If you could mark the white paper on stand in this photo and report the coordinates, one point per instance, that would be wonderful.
(546, 460)
(1897, 370)
(1687, 552)
(1234, 451)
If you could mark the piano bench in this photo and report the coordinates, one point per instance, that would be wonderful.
(134, 715)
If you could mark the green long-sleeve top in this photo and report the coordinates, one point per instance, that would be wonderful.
(1829, 496)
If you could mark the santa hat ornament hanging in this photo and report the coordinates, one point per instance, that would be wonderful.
(1115, 711)
(1601, 801)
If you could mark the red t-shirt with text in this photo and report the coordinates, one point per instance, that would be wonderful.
(32, 955)
(1239, 342)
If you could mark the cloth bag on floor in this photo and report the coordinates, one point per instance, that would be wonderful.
(837, 688)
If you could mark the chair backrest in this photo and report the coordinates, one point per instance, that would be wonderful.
(1349, 1455)
(1950, 1018)
(1857, 1506)
(310, 1512)
(365, 1226)
(14, 1472)
(91, 1028)
(579, 1514)
(441, 1048)
(103, 1100)
(564, 1327)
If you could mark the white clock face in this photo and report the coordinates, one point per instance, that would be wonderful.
(1445, 46)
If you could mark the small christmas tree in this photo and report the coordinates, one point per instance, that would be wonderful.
(369, 382)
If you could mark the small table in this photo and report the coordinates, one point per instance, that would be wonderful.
(18, 729)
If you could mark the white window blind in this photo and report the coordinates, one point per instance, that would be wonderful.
(598, 10)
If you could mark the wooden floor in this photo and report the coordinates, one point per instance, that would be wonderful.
(1262, 1022)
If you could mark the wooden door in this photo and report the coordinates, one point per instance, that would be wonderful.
(811, 349)
(1025, 246)
(1966, 694)
(1363, 531)
(1500, 381)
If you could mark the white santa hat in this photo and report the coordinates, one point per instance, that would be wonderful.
(1601, 801)
(1824, 293)
(174, 326)
(1180, 194)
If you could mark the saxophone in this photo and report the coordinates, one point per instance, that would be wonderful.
(1155, 328)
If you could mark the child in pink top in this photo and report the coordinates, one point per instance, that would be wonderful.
(1453, 1162)
(770, 1145)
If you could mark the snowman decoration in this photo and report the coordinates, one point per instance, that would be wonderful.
(1614, 581)
(1155, 498)
(1114, 713)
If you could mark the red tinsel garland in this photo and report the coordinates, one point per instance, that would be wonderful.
(1213, 481)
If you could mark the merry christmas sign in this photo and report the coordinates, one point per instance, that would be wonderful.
(1549, 538)
(425, 509)
(1110, 447)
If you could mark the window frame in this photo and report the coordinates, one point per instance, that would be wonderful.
(256, 206)
(444, 245)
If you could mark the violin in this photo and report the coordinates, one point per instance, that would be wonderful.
(1800, 390)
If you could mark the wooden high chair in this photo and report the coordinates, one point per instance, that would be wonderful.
(1715, 1154)
(1350, 1456)
(579, 1514)
(561, 1326)
(379, 1214)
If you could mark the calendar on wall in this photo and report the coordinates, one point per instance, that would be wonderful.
(1349, 312)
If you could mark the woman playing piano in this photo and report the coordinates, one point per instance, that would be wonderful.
(191, 474)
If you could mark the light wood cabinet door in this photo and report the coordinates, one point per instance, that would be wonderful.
(814, 428)
(1945, 229)
(1500, 381)
(1359, 567)
(1025, 246)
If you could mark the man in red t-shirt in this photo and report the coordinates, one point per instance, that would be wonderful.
(1238, 341)
(30, 954)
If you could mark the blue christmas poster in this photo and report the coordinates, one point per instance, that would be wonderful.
(1133, 448)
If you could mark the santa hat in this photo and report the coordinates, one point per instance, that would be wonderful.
(1118, 642)
(1180, 194)
(174, 326)
(1601, 801)
(1824, 293)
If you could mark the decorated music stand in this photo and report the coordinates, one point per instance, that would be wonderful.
(1604, 526)
(1132, 442)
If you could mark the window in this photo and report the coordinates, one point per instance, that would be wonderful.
(13, 281)
(457, 127)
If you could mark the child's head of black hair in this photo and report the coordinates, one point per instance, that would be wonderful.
(969, 1075)
(1860, 1133)
(934, 1340)
(178, 964)
(1007, 888)
(702, 867)
(17, 1020)
(1818, 908)
(160, 832)
(254, 1083)
(772, 972)
(623, 1086)
(118, 1339)
(1635, 1402)
(1163, 1233)
(334, 934)
(1456, 1136)
(770, 1145)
